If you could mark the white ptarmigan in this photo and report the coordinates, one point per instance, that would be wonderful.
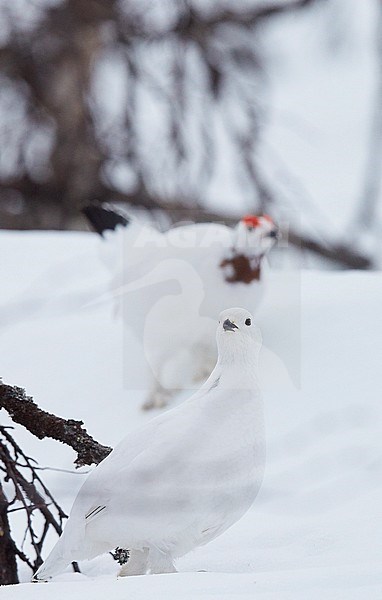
(169, 286)
(185, 477)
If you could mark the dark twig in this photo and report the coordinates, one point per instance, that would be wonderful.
(30, 501)
(30, 495)
(195, 25)
(29, 488)
(8, 564)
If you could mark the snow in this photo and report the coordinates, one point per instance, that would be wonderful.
(315, 529)
(331, 583)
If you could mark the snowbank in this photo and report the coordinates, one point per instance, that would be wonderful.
(348, 582)
(315, 530)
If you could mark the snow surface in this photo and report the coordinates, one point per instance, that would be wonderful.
(315, 530)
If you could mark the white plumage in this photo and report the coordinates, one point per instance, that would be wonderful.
(170, 286)
(185, 477)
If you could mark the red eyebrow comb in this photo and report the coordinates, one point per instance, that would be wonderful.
(251, 220)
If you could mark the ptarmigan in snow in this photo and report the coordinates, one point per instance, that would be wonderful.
(169, 287)
(182, 479)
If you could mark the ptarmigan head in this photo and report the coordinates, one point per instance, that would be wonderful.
(256, 235)
(238, 337)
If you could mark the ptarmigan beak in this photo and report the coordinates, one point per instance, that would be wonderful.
(229, 326)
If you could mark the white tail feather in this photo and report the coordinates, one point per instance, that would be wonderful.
(66, 550)
(54, 564)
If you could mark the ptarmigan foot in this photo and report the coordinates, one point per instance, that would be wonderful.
(137, 563)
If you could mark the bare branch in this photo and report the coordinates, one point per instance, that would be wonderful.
(54, 82)
(344, 255)
(339, 253)
(8, 565)
(29, 495)
(195, 25)
(23, 410)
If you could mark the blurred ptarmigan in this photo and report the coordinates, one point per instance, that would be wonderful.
(185, 477)
(169, 287)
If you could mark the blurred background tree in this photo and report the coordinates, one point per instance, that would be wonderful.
(140, 102)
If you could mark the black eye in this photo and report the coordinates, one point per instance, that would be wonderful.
(248, 322)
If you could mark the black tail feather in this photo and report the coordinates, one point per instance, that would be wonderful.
(103, 219)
